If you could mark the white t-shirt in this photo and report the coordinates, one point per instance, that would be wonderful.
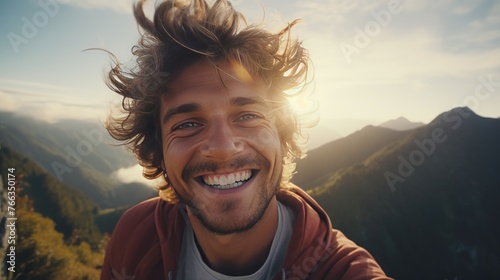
(192, 266)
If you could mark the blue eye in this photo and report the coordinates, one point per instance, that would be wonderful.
(246, 117)
(186, 125)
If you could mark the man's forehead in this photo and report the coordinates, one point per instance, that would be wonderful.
(234, 95)
(205, 74)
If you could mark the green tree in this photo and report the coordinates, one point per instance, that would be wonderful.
(42, 253)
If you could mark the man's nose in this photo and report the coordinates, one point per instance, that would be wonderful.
(221, 143)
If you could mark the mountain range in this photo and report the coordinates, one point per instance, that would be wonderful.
(401, 124)
(422, 200)
(425, 204)
(341, 153)
(77, 153)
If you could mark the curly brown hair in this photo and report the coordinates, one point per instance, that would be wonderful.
(180, 34)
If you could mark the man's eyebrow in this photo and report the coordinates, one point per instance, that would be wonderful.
(242, 101)
(181, 109)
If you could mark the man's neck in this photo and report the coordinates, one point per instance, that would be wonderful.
(239, 253)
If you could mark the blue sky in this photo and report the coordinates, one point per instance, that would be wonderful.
(374, 60)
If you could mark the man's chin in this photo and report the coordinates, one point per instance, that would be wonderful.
(226, 219)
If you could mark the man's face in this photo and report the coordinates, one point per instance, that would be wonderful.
(221, 147)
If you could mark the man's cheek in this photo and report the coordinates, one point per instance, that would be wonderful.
(201, 199)
(266, 137)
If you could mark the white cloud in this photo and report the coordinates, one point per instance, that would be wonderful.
(132, 174)
(332, 11)
(29, 84)
(415, 6)
(464, 8)
(48, 102)
(53, 112)
(394, 65)
(479, 33)
(495, 10)
(423, 54)
(492, 20)
(9, 103)
(396, 56)
(121, 6)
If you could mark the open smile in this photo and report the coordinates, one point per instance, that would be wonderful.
(227, 181)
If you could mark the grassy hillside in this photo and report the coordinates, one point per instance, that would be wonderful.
(71, 210)
(56, 236)
(342, 153)
(78, 154)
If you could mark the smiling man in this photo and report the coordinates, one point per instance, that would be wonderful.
(206, 108)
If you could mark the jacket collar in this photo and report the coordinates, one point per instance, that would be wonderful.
(310, 237)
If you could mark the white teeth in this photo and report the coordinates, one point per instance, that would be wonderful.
(223, 180)
(227, 181)
(229, 186)
(209, 181)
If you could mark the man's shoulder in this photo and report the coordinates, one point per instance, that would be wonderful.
(139, 230)
(319, 251)
(143, 208)
(136, 221)
(143, 216)
(136, 242)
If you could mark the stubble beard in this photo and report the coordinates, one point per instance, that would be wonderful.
(227, 225)
(242, 223)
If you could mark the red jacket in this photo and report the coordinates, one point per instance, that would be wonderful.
(146, 244)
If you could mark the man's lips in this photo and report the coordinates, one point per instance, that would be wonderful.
(225, 181)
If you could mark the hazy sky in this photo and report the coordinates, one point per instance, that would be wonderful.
(373, 60)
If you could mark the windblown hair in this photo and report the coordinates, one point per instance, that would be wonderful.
(180, 34)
